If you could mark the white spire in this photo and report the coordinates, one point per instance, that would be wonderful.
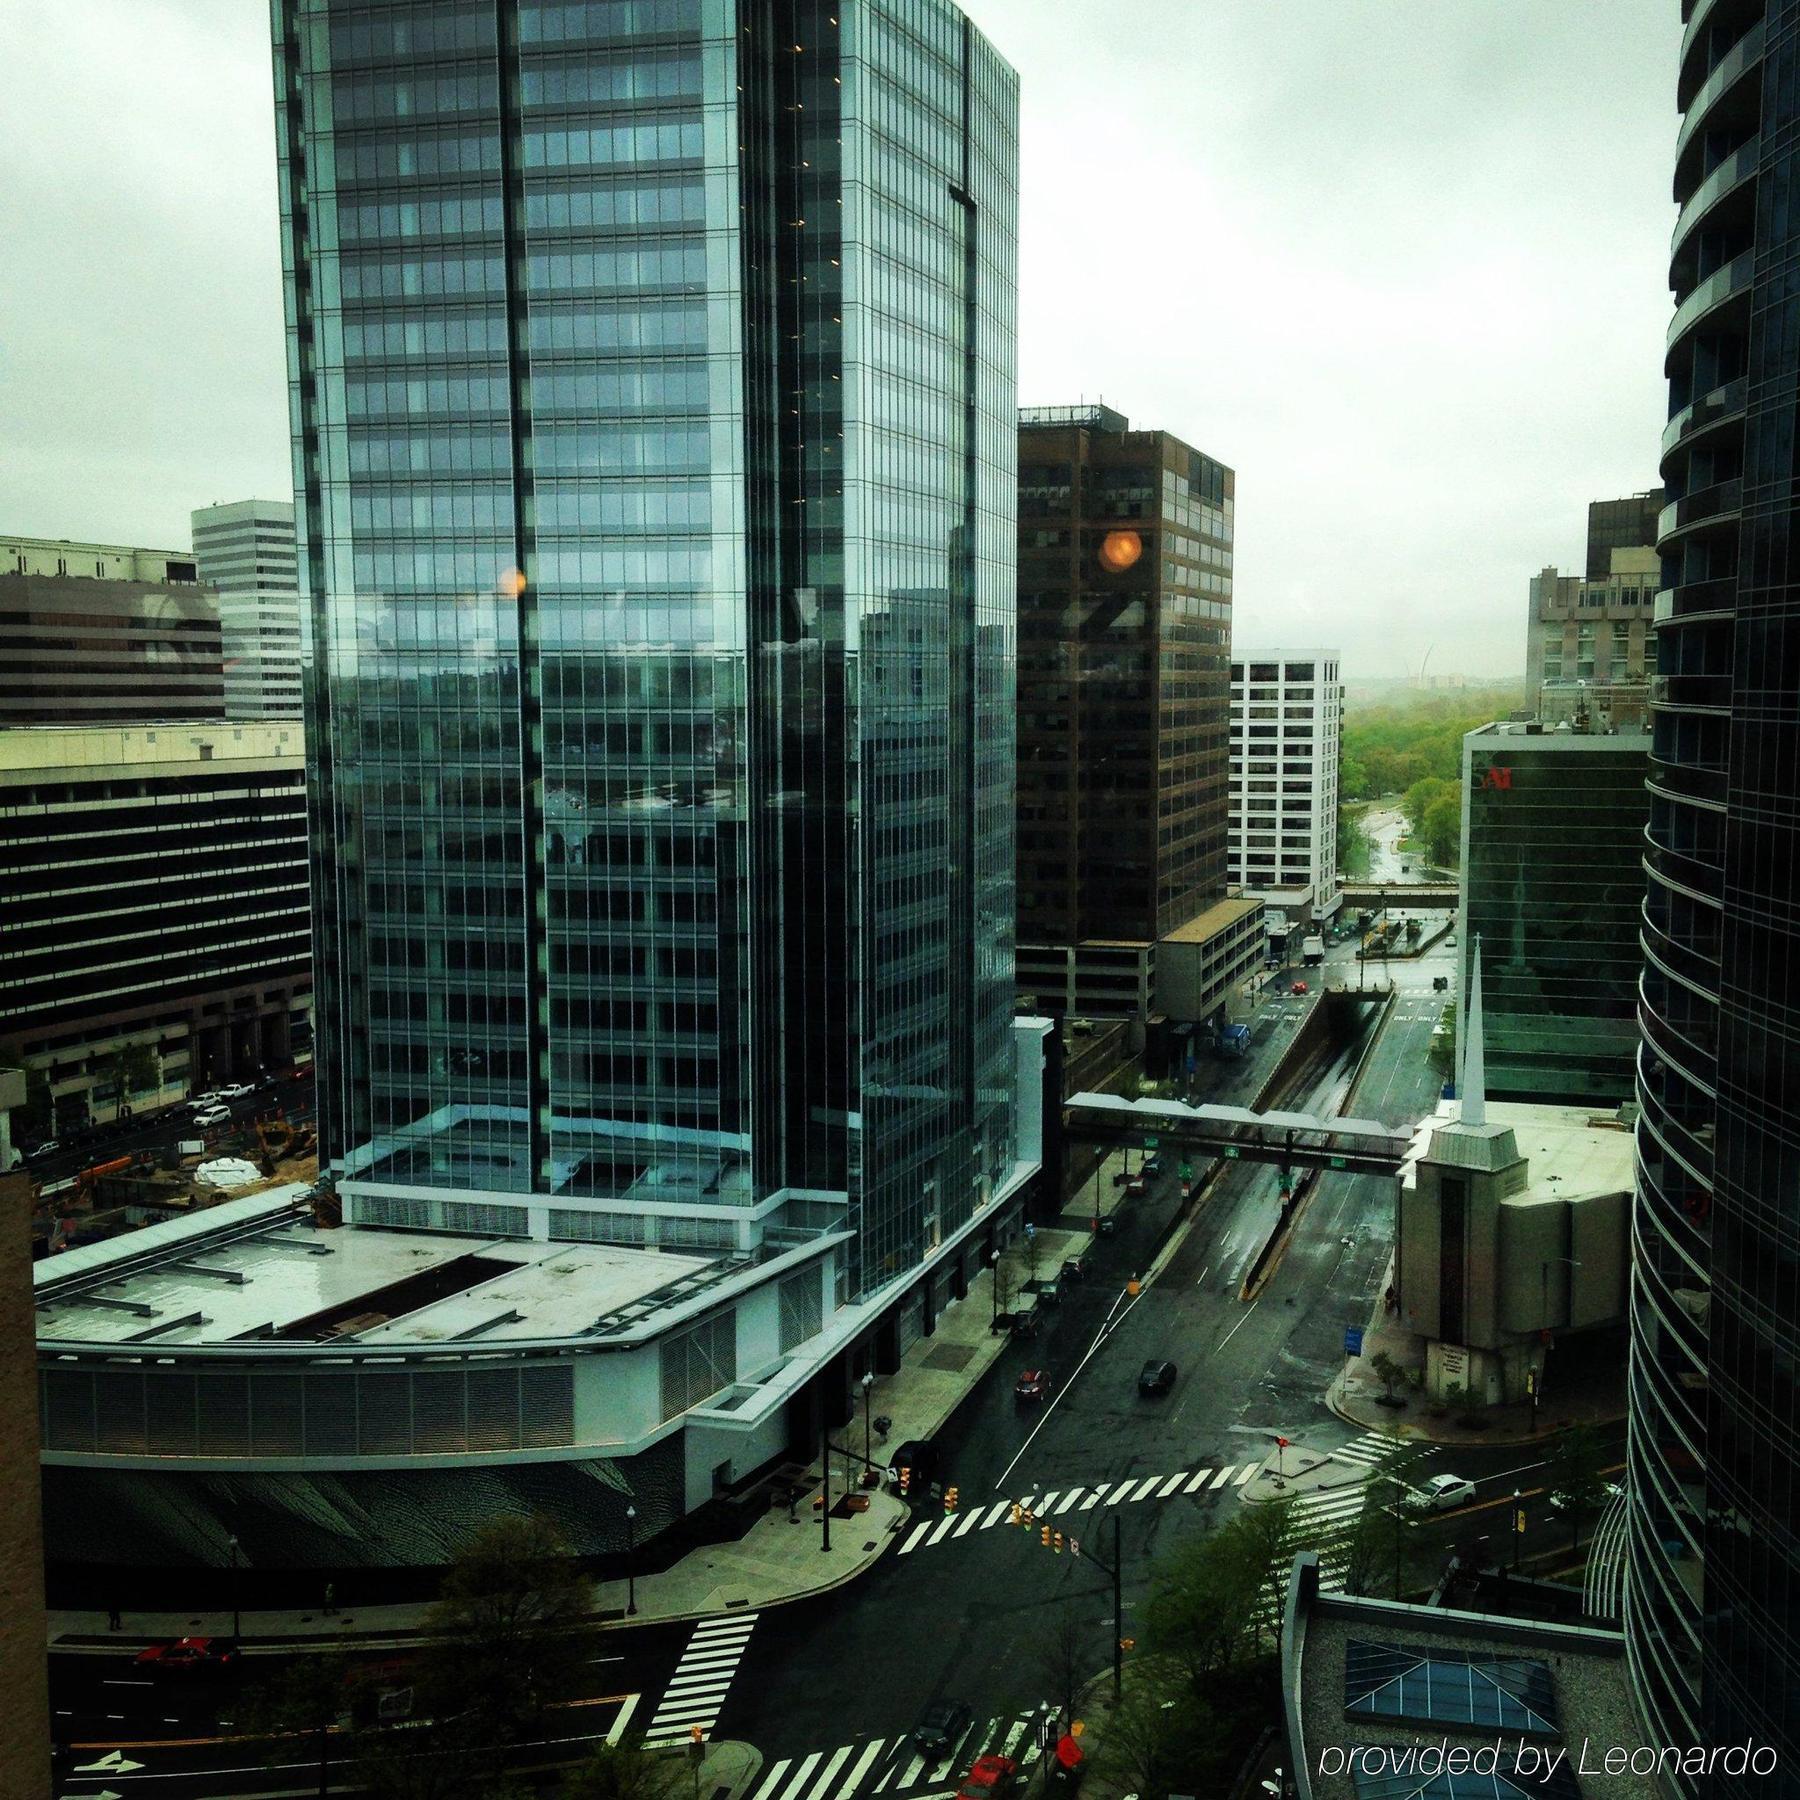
(1472, 1089)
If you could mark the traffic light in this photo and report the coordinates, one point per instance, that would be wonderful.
(1059, 1543)
(1029, 1518)
(1074, 1546)
(1018, 1514)
(949, 1499)
(905, 1476)
(1044, 1537)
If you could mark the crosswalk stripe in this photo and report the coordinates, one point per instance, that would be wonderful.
(918, 1531)
(1147, 1486)
(838, 1760)
(737, 1621)
(1013, 1736)
(773, 1779)
(794, 1787)
(1197, 1481)
(1169, 1486)
(914, 1769)
(1119, 1491)
(1249, 1470)
(710, 1659)
(943, 1530)
(969, 1522)
(1223, 1476)
(1073, 1493)
(681, 1680)
(859, 1769)
(995, 1513)
(1094, 1498)
(1049, 1500)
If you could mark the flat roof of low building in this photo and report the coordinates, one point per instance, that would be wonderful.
(1359, 1695)
(93, 749)
(1220, 916)
(259, 1269)
(1574, 1151)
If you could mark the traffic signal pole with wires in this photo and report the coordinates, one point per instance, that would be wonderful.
(1053, 1540)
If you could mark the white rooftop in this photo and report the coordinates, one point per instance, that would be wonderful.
(287, 1277)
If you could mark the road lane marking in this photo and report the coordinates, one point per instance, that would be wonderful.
(624, 1718)
(795, 1786)
(1226, 1339)
(859, 1769)
(831, 1769)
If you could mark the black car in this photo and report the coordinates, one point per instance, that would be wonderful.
(1156, 1378)
(940, 1730)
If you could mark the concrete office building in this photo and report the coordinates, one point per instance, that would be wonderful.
(1713, 1602)
(1588, 641)
(1552, 860)
(1287, 717)
(1124, 638)
(153, 912)
(245, 551)
(98, 632)
(662, 804)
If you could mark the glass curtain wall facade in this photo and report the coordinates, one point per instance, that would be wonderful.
(652, 389)
(1713, 1605)
(1552, 856)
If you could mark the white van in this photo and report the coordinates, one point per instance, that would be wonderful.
(213, 1115)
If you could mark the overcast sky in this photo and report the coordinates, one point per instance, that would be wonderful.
(1400, 263)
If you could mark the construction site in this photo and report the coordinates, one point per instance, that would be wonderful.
(122, 1193)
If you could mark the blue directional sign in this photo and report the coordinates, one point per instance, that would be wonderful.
(1353, 1340)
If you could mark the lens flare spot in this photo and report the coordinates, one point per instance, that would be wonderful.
(1119, 550)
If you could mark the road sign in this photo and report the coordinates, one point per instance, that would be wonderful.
(114, 1762)
(1353, 1337)
(1231, 1150)
(1186, 1170)
(1150, 1143)
(1337, 1162)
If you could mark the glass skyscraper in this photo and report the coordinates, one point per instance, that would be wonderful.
(651, 368)
(1713, 1604)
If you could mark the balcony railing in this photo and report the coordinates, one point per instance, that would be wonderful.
(1710, 409)
(1732, 67)
(1707, 692)
(1720, 286)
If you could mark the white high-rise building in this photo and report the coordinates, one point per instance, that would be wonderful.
(246, 550)
(1287, 714)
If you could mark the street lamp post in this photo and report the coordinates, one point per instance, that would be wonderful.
(825, 1470)
(868, 1387)
(994, 1264)
(237, 1630)
(630, 1561)
(1516, 1532)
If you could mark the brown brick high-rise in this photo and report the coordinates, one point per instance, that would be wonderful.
(1124, 678)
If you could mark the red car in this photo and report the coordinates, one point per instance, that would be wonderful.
(1033, 1384)
(1299, 987)
(186, 1655)
(991, 1777)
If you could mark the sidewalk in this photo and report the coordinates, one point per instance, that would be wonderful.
(778, 1559)
(1584, 1384)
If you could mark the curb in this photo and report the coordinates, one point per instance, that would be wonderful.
(1418, 1433)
